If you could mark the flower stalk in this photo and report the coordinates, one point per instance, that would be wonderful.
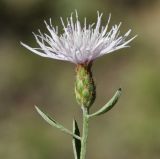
(84, 138)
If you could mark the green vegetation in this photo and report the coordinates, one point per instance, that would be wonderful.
(129, 131)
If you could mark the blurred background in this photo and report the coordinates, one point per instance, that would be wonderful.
(130, 130)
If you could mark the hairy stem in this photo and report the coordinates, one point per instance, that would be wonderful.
(84, 133)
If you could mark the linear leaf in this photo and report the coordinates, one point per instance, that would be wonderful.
(76, 143)
(54, 123)
(109, 105)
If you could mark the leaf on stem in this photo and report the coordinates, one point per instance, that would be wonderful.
(76, 143)
(54, 123)
(108, 105)
(47, 118)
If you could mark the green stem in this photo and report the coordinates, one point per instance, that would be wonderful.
(84, 133)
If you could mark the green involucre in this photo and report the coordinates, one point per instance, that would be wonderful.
(84, 86)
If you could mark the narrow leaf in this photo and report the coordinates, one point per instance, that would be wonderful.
(47, 118)
(109, 105)
(54, 123)
(76, 143)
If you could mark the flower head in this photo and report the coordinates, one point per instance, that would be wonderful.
(80, 44)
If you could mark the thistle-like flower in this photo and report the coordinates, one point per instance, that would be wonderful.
(80, 45)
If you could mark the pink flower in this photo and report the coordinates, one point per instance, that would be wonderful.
(80, 44)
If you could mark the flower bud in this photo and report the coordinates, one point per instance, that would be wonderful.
(84, 86)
